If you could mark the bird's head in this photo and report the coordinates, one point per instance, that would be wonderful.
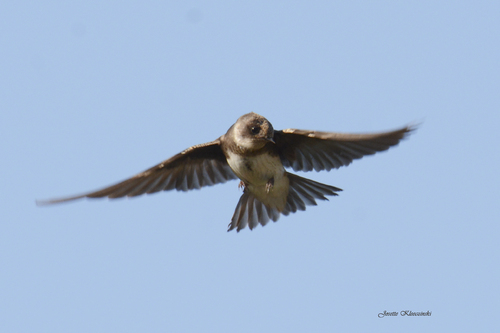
(252, 132)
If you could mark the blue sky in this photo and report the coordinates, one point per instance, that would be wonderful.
(93, 92)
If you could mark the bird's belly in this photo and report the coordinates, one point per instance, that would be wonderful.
(256, 171)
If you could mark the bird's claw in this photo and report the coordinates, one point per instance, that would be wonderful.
(269, 185)
(242, 185)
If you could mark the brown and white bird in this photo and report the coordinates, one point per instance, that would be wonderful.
(254, 152)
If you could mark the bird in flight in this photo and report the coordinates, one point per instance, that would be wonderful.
(254, 152)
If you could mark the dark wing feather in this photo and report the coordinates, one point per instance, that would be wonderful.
(305, 150)
(195, 167)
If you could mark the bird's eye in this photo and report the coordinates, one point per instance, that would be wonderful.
(255, 129)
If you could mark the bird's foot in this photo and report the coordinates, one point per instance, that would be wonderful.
(269, 185)
(242, 185)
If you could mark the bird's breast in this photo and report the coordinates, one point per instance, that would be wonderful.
(256, 169)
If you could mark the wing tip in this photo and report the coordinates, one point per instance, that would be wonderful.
(412, 127)
(42, 203)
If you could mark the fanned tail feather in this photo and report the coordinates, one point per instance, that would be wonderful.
(251, 212)
(302, 192)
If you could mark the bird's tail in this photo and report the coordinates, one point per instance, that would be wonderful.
(302, 192)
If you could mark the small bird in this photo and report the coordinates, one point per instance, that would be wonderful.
(254, 152)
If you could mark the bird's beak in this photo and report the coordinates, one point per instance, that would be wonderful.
(270, 140)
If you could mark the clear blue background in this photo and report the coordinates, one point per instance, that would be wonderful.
(92, 92)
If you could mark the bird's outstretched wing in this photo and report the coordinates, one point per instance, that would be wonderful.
(195, 167)
(304, 150)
